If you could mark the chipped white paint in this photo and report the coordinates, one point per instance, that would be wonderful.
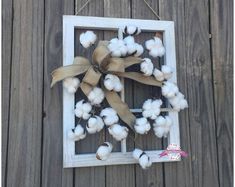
(100, 23)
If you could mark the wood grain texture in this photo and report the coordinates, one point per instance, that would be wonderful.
(222, 59)
(154, 175)
(94, 176)
(53, 173)
(123, 175)
(179, 173)
(25, 125)
(7, 18)
(200, 94)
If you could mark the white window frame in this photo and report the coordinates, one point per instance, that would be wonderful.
(70, 158)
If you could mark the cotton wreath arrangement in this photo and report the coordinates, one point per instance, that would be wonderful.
(122, 52)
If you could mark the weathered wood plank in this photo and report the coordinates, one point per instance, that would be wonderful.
(53, 173)
(222, 59)
(200, 94)
(154, 175)
(123, 175)
(178, 173)
(92, 176)
(7, 17)
(25, 126)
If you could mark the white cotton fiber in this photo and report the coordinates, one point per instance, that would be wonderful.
(71, 84)
(162, 126)
(96, 96)
(71, 135)
(104, 150)
(87, 38)
(143, 159)
(178, 102)
(155, 47)
(117, 48)
(78, 133)
(131, 30)
(158, 74)
(118, 132)
(129, 40)
(146, 67)
(83, 110)
(169, 89)
(112, 82)
(151, 108)
(139, 50)
(109, 116)
(167, 71)
(136, 153)
(142, 126)
(132, 47)
(95, 124)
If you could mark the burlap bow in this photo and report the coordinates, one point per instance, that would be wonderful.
(103, 63)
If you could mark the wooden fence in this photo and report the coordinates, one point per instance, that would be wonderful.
(32, 111)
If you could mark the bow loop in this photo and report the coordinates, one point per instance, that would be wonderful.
(101, 56)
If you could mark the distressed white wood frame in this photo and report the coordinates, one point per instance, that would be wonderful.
(70, 158)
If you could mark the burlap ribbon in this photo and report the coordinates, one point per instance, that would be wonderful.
(103, 63)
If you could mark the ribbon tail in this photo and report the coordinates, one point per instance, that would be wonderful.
(79, 66)
(139, 78)
(121, 108)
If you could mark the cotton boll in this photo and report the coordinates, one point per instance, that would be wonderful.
(95, 124)
(104, 151)
(91, 125)
(118, 132)
(112, 82)
(169, 89)
(77, 133)
(139, 50)
(146, 67)
(71, 135)
(178, 102)
(142, 157)
(71, 84)
(155, 47)
(87, 39)
(149, 44)
(83, 110)
(158, 74)
(162, 126)
(109, 116)
(145, 161)
(79, 130)
(131, 30)
(167, 71)
(142, 126)
(117, 48)
(96, 96)
(151, 108)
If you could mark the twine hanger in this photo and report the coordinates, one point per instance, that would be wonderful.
(145, 1)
